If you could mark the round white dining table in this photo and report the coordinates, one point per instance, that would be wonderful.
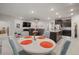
(35, 48)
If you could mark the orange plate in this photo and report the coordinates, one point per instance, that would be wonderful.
(25, 42)
(46, 44)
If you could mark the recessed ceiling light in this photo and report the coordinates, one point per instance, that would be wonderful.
(52, 9)
(57, 13)
(59, 16)
(32, 11)
(72, 14)
(49, 18)
(71, 9)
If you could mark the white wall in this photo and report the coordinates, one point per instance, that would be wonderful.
(8, 21)
(18, 21)
(75, 20)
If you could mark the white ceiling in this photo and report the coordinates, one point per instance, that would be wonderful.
(41, 10)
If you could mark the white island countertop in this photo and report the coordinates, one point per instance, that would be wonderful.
(55, 30)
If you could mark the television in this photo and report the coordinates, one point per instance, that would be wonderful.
(26, 24)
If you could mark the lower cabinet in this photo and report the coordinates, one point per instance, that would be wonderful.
(56, 36)
(66, 32)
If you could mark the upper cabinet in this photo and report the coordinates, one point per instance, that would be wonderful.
(63, 23)
(66, 23)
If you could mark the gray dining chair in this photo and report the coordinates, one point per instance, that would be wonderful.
(61, 47)
(65, 48)
(13, 47)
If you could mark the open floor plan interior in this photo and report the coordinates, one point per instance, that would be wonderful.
(39, 28)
